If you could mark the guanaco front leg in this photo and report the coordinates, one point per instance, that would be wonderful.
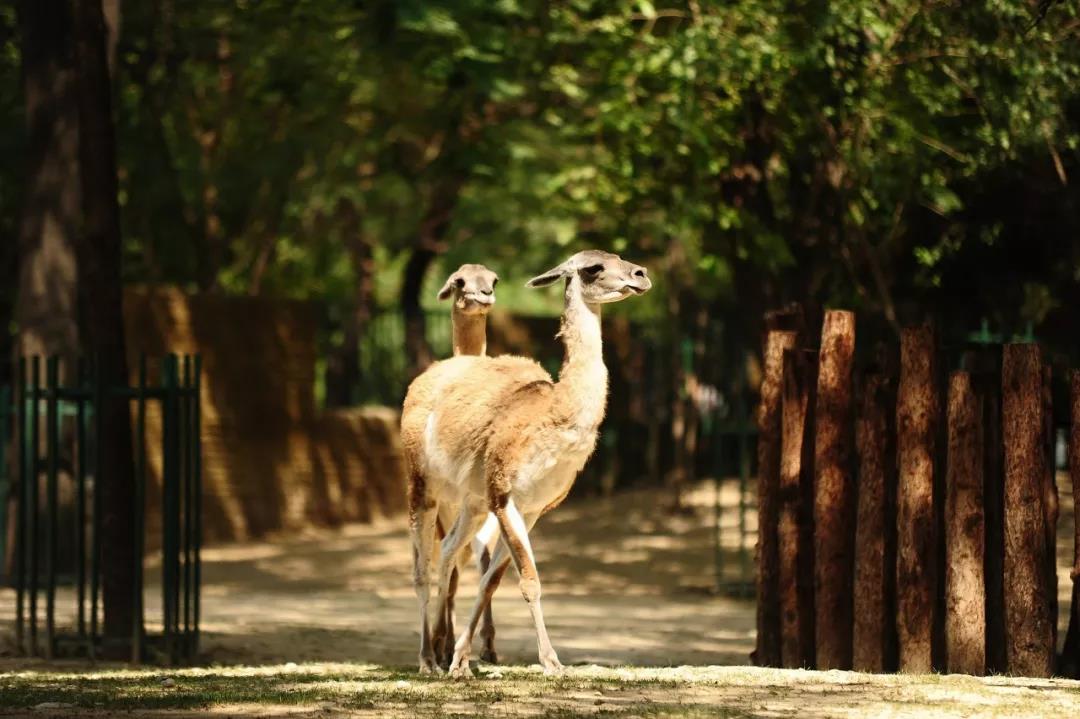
(468, 521)
(500, 560)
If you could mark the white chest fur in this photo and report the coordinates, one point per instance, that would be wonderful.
(548, 474)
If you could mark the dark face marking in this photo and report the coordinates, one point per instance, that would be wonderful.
(605, 277)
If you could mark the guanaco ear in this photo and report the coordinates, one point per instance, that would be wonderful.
(552, 275)
(448, 289)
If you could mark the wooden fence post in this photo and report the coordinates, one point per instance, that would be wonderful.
(768, 601)
(917, 408)
(987, 376)
(795, 532)
(1028, 622)
(834, 493)
(1070, 654)
(1050, 499)
(875, 545)
(965, 532)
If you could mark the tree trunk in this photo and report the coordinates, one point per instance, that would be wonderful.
(768, 447)
(431, 242)
(101, 295)
(965, 532)
(1029, 629)
(46, 304)
(875, 544)
(212, 256)
(917, 533)
(795, 526)
(834, 494)
(343, 364)
(111, 11)
(417, 351)
(1070, 654)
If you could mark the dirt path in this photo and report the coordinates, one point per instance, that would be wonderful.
(621, 586)
(324, 625)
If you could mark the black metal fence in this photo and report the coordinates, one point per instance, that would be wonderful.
(57, 539)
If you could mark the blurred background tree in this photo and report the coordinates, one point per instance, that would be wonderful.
(904, 159)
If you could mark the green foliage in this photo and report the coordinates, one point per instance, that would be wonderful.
(752, 152)
(12, 124)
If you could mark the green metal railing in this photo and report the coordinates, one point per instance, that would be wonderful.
(384, 374)
(73, 411)
(7, 410)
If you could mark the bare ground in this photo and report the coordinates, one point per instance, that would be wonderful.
(326, 624)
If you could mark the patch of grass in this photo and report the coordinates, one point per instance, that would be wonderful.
(688, 692)
(146, 691)
(648, 710)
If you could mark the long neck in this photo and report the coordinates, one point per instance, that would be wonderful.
(582, 385)
(470, 333)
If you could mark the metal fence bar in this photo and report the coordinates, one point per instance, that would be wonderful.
(6, 408)
(744, 477)
(196, 461)
(80, 498)
(41, 538)
(22, 539)
(95, 525)
(169, 552)
(718, 530)
(52, 453)
(184, 458)
(138, 615)
(32, 496)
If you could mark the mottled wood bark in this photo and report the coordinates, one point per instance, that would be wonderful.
(834, 493)
(795, 532)
(431, 242)
(1028, 623)
(917, 408)
(1050, 500)
(1070, 654)
(875, 545)
(987, 375)
(213, 242)
(965, 532)
(343, 362)
(46, 302)
(768, 448)
(790, 318)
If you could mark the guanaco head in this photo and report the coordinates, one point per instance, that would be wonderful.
(604, 277)
(473, 289)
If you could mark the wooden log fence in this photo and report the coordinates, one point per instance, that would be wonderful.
(917, 408)
(796, 510)
(1029, 632)
(1070, 653)
(965, 532)
(875, 546)
(834, 494)
(769, 442)
(911, 534)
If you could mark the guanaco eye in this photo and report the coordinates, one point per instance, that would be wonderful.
(594, 269)
(459, 282)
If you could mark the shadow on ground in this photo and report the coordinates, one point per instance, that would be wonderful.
(622, 584)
